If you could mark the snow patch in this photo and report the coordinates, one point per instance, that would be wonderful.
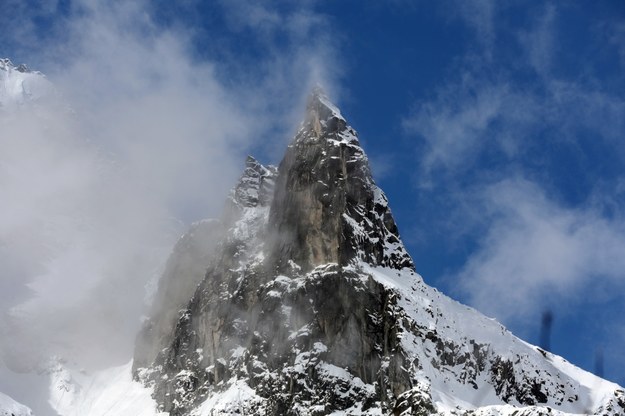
(105, 393)
(9, 407)
(238, 398)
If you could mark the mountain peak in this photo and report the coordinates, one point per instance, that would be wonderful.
(20, 85)
(326, 207)
(319, 99)
(255, 185)
(7, 65)
(310, 305)
(322, 116)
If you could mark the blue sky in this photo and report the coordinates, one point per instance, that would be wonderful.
(495, 128)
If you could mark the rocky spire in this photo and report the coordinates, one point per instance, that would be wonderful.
(277, 327)
(322, 117)
(327, 208)
(255, 186)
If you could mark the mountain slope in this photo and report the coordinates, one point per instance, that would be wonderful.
(20, 85)
(310, 305)
(9, 407)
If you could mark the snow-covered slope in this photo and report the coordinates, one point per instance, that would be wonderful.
(9, 407)
(109, 392)
(60, 389)
(310, 305)
(19, 85)
(302, 300)
(453, 334)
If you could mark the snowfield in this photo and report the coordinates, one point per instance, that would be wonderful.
(19, 85)
(9, 407)
(70, 392)
(109, 392)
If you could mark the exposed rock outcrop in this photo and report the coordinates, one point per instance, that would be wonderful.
(327, 209)
(302, 300)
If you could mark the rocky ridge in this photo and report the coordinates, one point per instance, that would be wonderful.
(9, 407)
(302, 300)
(20, 85)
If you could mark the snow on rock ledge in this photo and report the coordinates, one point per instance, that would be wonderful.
(311, 306)
(9, 407)
(19, 85)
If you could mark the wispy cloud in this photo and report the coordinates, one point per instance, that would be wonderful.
(293, 45)
(145, 132)
(511, 142)
(538, 42)
(617, 38)
(480, 17)
(500, 108)
(545, 251)
(466, 118)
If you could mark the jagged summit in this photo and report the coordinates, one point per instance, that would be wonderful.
(255, 185)
(19, 85)
(7, 65)
(327, 208)
(302, 301)
(202, 246)
(322, 116)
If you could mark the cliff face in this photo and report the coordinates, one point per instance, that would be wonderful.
(207, 246)
(185, 269)
(327, 208)
(302, 300)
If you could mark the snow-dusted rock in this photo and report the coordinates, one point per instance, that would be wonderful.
(19, 85)
(310, 305)
(9, 407)
(326, 207)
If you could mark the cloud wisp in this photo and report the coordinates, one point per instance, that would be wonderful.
(511, 110)
(524, 144)
(545, 251)
(99, 179)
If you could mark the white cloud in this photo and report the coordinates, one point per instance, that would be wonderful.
(491, 108)
(538, 42)
(573, 108)
(466, 118)
(269, 21)
(537, 252)
(496, 121)
(617, 38)
(480, 17)
(299, 49)
(473, 116)
(90, 195)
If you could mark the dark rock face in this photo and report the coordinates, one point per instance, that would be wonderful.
(302, 300)
(206, 244)
(185, 269)
(255, 188)
(246, 318)
(296, 342)
(327, 208)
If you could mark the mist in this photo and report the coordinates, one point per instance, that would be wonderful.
(137, 138)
